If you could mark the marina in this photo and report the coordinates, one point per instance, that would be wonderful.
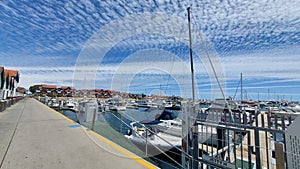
(155, 84)
(229, 133)
(225, 140)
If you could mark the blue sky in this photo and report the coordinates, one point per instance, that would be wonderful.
(260, 38)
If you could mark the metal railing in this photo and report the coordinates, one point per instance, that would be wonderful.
(246, 140)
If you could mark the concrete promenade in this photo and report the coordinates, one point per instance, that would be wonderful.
(33, 136)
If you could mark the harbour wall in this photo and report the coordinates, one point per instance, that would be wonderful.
(4, 104)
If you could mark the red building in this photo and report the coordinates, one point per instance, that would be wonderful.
(53, 91)
(9, 82)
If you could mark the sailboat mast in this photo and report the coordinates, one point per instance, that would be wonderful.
(195, 149)
(191, 56)
(241, 87)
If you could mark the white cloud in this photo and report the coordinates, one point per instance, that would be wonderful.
(45, 27)
(268, 64)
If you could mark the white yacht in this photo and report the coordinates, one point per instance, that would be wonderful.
(117, 104)
(53, 103)
(172, 127)
(147, 137)
(70, 104)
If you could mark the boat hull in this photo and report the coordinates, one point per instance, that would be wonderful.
(152, 148)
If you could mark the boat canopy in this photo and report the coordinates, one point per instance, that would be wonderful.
(150, 122)
(167, 115)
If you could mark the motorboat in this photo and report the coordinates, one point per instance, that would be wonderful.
(53, 103)
(172, 127)
(146, 136)
(131, 104)
(148, 104)
(70, 104)
(172, 106)
(295, 107)
(117, 104)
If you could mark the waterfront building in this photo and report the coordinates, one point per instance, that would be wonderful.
(53, 90)
(49, 90)
(65, 91)
(1, 82)
(9, 83)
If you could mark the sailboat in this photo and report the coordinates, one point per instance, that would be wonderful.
(146, 135)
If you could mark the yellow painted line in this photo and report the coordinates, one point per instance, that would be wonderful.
(105, 140)
(63, 116)
(122, 150)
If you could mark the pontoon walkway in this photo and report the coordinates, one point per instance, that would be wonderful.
(33, 136)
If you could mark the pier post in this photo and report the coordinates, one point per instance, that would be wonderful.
(93, 122)
(78, 116)
(257, 145)
(146, 142)
(279, 155)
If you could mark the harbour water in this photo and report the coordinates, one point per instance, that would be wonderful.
(263, 129)
(70, 114)
(113, 125)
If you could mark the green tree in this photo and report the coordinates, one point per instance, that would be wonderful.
(33, 88)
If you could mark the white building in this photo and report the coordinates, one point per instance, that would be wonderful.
(9, 83)
(2, 81)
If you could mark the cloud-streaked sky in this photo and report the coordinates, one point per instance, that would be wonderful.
(260, 38)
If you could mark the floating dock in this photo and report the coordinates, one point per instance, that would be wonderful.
(35, 136)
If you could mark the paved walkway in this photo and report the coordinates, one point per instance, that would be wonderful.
(33, 136)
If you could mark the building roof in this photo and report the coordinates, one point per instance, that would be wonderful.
(5, 73)
(1, 77)
(11, 73)
(21, 89)
(64, 87)
(49, 86)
